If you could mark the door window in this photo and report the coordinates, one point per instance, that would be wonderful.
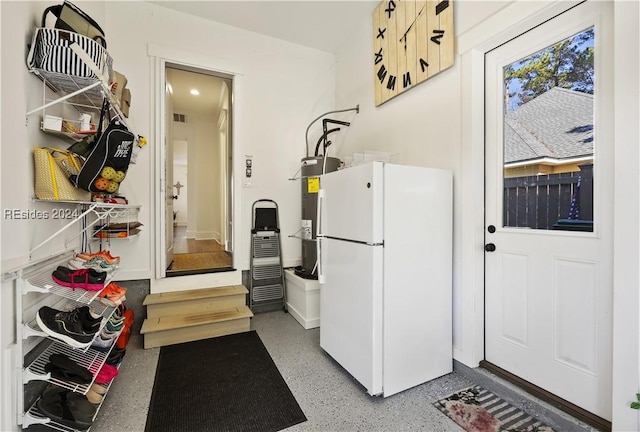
(548, 137)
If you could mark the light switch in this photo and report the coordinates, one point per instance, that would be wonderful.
(248, 171)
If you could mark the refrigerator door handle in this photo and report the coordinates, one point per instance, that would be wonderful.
(320, 200)
(321, 277)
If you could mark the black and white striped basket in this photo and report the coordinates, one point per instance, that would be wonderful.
(61, 51)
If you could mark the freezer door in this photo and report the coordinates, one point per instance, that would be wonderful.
(351, 309)
(351, 203)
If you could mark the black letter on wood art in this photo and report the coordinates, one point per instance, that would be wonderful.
(382, 73)
(406, 80)
(442, 6)
(391, 8)
(378, 56)
(438, 36)
(381, 33)
(423, 64)
(391, 84)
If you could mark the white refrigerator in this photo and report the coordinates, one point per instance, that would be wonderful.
(385, 267)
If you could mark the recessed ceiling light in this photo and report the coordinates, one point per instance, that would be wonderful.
(195, 92)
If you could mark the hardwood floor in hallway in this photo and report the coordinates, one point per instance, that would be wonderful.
(192, 254)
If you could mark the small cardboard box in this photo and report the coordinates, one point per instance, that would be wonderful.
(121, 82)
(126, 102)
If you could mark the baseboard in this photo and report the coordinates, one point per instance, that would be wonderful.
(305, 323)
(205, 235)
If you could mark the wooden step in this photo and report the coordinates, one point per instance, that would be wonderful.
(177, 329)
(195, 301)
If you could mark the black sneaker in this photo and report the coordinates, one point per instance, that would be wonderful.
(67, 407)
(115, 356)
(90, 322)
(64, 326)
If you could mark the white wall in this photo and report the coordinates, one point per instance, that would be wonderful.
(285, 86)
(202, 155)
(207, 140)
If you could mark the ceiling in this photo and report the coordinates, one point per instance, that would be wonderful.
(182, 82)
(322, 25)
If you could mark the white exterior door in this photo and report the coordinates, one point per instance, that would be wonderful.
(548, 289)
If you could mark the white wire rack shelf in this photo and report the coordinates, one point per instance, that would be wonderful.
(43, 283)
(101, 212)
(91, 359)
(86, 94)
(106, 311)
(35, 416)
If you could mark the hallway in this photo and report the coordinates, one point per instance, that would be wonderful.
(192, 254)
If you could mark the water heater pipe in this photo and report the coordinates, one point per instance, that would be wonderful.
(356, 109)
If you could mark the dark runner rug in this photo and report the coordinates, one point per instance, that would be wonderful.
(478, 410)
(228, 383)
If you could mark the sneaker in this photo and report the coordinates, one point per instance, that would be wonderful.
(114, 327)
(115, 356)
(94, 398)
(90, 322)
(125, 335)
(96, 263)
(67, 408)
(98, 275)
(112, 294)
(118, 314)
(97, 388)
(102, 343)
(106, 374)
(87, 279)
(116, 318)
(64, 326)
(108, 334)
(104, 254)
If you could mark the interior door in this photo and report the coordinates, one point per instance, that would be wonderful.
(168, 167)
(548, 265)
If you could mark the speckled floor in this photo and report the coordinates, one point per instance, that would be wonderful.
(330, 398)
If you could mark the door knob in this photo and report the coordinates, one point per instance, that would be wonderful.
(490, 247)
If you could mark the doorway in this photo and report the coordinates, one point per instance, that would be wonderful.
(198, 171)
(548, 221)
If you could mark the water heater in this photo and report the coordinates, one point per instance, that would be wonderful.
(312, 168)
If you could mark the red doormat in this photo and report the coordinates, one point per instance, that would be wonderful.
(477, 410)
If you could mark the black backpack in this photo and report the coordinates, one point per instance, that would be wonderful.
(106, 165)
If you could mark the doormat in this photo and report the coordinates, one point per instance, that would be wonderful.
(190, 261)
(229, 383)
(478, 410)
